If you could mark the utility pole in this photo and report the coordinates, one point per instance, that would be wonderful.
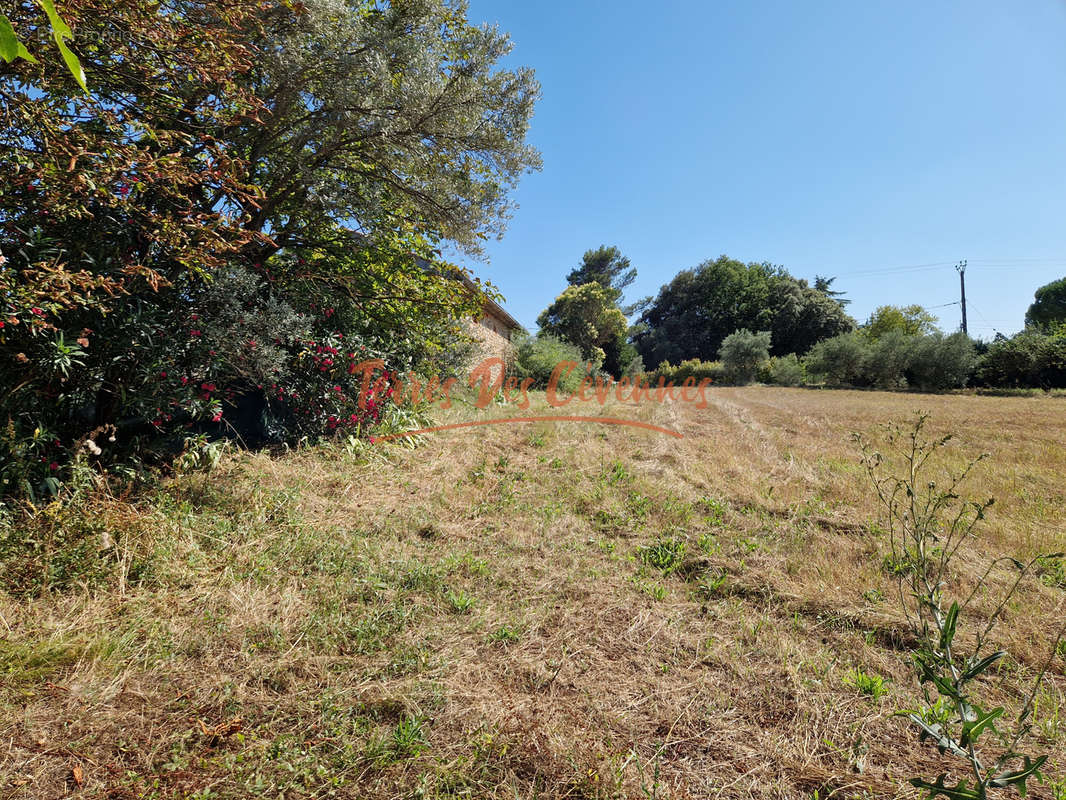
(961, 267)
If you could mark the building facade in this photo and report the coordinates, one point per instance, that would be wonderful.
(494, 332)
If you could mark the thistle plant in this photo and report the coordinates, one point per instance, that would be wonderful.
(928, 522)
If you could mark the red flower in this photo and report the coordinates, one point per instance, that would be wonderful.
(194, 333)
(163, 374)
(53, 466)
(217, 417)
(37, 311)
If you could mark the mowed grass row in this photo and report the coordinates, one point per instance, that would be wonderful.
(528, 610)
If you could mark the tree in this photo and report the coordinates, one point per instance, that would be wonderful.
(385, 116)
(888, 358)
(939, 362)
(909, 320)
(1048, 310)
(313, 154)
(839, 360)
(605, 266)
(743, 352)
(1029, 358)
(823, 285)
(586, 316)
(693, 314)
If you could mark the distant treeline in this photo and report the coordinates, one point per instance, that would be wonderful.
(736, 323)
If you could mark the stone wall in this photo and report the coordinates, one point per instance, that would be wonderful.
(492, 337)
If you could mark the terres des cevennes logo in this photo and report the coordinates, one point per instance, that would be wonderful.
(491, 381)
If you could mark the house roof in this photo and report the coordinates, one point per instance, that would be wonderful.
(491, 306)
(494, 308)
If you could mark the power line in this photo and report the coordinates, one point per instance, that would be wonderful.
(904, 268)
(990, 264)
(983, 319)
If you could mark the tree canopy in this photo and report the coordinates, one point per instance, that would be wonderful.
(588, 317)
(298, 161)
(910, 320)
(605, 266)
(1048, 310)
(694, 313)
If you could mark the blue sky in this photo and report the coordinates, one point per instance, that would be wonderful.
(850, 139)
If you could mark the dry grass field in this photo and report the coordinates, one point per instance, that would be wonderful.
(535, 610)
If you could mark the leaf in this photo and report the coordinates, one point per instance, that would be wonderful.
(9, 42)
(59, 27)
(72, 64)
(1019, 777)
(983, 664)
(960, 791)
(77, 774)
(10, 46)
(943, 741)
(947, 633)
(60, 33)
(943, 685)
(972, 730)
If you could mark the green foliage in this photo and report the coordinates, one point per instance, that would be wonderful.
(692, 368)
(409, 737)
(536, 357)
(895, 359)
(928, 521)
(1048, 311)
(694, 313)
(56, 544)
(887, 359)
(786, 371)
(939, 362)
(742, 354)
(909, 320)
(410, 116)
(505, 634)
(460, 602)
(839, 360)
(11, 47)
(874, 686)
(664, 554)
(1029, 358)
(824, 285)
(605, 266)
(173, 256)
(588, 317)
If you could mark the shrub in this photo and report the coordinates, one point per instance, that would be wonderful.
(692, 368)
(839, 360)
(786, 371)
(938, 362)
(743, 352)
(888, 358)
(1029, 358)
(537, 356)
(635, 367)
